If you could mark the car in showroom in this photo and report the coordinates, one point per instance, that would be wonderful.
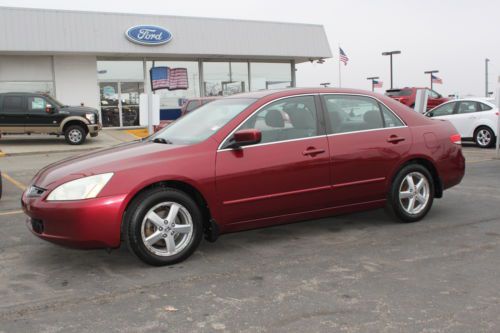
(408, 95)
(31, 113)
(475, 119)
(237, 163)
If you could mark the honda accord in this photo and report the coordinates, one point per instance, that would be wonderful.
(252, 160)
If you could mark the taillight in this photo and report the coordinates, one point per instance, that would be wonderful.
(456, 139)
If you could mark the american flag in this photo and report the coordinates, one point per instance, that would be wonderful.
(377, 84)
(435, 79)
(169, 78)
(343, 57)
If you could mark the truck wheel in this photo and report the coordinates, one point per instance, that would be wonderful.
(75, 135)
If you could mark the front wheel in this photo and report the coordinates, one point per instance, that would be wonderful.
(411, 194)
(484, 137)
(75, 135)
(163, 226)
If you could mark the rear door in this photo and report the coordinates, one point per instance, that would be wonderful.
(286, 173)
(465, 117)
(13, 113)
(367, 141)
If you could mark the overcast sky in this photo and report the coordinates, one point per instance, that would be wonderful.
(452, 36)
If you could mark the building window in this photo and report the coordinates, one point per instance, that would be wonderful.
(45, 87)
(270, 75)
(174, 99)
(225, 78)
(120, 70)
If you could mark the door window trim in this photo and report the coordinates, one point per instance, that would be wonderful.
(377, 101)
(319, 121)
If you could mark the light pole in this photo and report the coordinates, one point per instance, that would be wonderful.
(390, 53)
(373, 78)
(486, 61)
(431, 73)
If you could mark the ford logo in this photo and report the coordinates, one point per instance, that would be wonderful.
(148, 35)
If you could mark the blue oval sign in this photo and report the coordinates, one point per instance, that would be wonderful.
(148, 35)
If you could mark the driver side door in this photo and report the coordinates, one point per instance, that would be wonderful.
(285, 174)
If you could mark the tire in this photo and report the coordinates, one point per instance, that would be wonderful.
(185, 230)
(399, 205)
(75, 134)
(484, 137)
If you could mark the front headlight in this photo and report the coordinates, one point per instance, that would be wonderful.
(79, 189)
(90, 117)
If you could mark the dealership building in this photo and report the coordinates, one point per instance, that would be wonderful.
(103, 60)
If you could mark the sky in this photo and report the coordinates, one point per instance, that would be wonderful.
(452, 36)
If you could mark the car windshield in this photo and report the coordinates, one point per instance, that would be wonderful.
(203, 122)
(398, 92)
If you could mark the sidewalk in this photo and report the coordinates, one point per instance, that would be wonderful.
(41, 144)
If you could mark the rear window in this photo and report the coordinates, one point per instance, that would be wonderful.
(398, 92)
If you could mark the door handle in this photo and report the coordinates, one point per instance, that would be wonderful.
(312, 151)
(395, 139)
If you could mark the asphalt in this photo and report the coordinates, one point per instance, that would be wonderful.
(361, 272)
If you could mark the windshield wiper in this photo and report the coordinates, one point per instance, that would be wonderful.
(162, 140)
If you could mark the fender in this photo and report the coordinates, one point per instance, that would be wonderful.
(70, 118)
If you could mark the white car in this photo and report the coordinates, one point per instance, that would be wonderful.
(475, 119)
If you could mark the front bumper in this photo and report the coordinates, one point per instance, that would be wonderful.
(94, 129)
(87, 224)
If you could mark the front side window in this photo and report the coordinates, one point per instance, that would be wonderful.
(467, 107)
(37, 103)
(443, 110)
(355, 113)
(286, 119)
(203, 122)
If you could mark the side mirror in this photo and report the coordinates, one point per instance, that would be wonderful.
(429, 114)
(245, 137)
(49, 108)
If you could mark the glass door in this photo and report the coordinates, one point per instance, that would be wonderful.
(129, 97)
(120, 103)
(110, 108)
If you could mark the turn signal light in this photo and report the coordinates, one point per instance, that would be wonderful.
(456, 139)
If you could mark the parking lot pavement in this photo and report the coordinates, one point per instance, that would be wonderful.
(354, 273)
(36, 144)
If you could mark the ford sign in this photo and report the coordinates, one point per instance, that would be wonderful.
(148, 35)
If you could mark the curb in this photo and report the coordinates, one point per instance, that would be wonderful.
(51, 151)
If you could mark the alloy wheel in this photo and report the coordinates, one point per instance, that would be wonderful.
(414, 193)
(167, 228)
(483, 137)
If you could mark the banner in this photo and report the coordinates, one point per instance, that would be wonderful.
(169, 78)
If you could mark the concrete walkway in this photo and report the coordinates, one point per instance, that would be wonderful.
(40, 144)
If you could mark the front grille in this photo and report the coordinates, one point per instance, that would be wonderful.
(35, 191)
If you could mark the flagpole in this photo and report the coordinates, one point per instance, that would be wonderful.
(340, 74)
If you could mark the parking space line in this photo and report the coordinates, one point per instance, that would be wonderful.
(12, 212)
(14, 182)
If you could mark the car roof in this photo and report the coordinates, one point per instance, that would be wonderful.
(297, 91)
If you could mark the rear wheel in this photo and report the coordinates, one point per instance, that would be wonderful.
(484, 137)
(163, 226)
(75, 134)
(412, 193)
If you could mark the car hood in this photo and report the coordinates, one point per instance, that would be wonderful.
(114, 159)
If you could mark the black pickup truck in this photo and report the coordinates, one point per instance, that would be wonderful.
(27, 113)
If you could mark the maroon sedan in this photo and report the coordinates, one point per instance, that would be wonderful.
(247, 161)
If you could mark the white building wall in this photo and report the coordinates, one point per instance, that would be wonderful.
(25, 68)
(76, 80)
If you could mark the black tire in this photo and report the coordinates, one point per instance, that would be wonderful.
(75, 134)
(481, 135)
(135, 220)
(395, 206)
